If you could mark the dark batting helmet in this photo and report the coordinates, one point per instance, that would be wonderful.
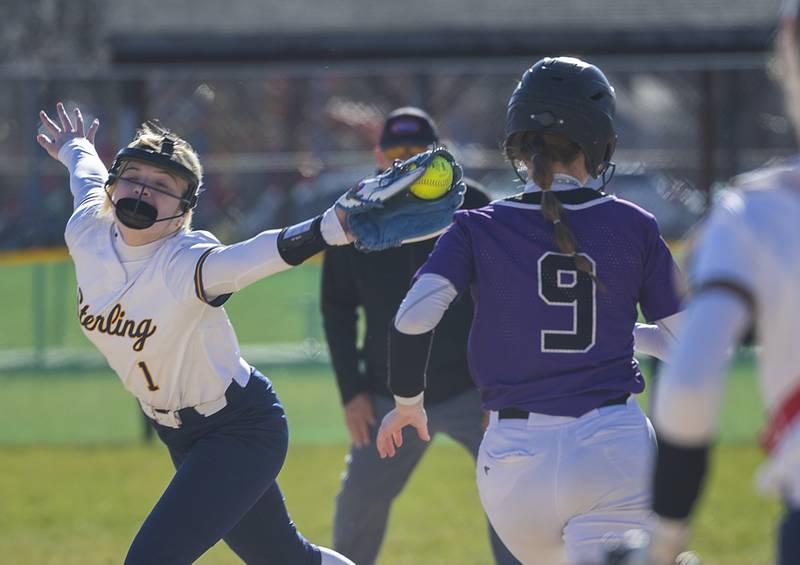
(571, 98)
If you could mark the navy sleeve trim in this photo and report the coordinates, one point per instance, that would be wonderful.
(199, 290)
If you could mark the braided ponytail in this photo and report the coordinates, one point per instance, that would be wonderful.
(542, 150)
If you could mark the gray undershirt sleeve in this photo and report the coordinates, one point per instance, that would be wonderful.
(425, 304)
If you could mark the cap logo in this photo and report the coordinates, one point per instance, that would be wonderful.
(545, 119)
(405, 127)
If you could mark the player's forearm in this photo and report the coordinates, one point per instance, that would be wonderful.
(234, 267)
(87, 172)
(408, 362)
(411, 334)
(689, 389)
(656, 339)
(688, 398)
(678, 478)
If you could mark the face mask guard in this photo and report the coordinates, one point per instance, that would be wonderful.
(134, 212)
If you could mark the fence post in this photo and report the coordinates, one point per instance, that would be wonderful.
(39, 322)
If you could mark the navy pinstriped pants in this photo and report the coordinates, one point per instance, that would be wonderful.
(224, 486)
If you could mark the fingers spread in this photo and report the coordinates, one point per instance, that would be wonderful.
(49, 124)
(93, 130)
(79, 122)
(66, 125)
(43, 140)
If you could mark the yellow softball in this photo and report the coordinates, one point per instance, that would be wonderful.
(435, 181)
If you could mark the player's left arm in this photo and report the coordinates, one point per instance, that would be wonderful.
(410, 340)
(229, 268)
(690, 389)
(447, 272)
(688, 400)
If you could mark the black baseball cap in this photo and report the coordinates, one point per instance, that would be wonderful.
(408, 126)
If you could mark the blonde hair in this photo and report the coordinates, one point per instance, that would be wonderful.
(150, 136)
(543, 150)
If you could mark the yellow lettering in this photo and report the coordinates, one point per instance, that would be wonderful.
(116, 324)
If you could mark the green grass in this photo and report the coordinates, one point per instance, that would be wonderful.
(94, 408)
(86, 408)
(76, 482)
(70, 505)
(43, 308)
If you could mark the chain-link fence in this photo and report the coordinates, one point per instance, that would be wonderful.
(280, 143)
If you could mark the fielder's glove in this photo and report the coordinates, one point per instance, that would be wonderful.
(382, 213)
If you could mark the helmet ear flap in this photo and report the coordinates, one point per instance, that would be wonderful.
(597, 169)
(610, 148)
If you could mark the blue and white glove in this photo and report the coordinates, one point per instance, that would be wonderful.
(381, 212)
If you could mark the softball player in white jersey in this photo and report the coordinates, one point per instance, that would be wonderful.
(149, 297)
(744, 275)
(556, 274)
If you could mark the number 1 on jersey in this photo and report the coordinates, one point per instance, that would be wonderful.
(562, 284)
(151, 386)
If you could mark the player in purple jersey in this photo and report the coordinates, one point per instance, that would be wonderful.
(556, 274)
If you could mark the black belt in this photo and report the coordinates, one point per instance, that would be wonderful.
(516, 413)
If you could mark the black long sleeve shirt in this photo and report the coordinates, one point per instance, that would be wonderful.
(377, 282)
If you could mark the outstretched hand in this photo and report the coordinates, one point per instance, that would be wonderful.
(390, 434)
(57, 135)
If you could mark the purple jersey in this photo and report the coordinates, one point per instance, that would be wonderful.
(544, 337)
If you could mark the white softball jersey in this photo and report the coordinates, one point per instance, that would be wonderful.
(751, 246)
(148, 308)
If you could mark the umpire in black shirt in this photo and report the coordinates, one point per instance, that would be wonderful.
(376, 283)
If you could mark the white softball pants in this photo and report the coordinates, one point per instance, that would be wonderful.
(556, 488)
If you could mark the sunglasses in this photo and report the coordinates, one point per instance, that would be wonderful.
(403, 152)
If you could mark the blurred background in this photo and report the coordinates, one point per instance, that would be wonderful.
(284, 102)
